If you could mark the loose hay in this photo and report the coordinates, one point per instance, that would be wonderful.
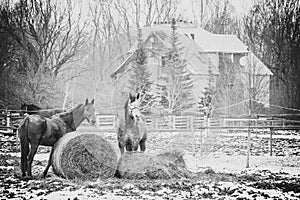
(165, 165)
(84, 156)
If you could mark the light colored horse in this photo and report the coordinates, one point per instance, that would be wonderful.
(132, 131)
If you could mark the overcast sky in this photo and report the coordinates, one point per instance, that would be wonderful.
(187, 8)
(241, 6)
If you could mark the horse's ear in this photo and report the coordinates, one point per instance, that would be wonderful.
(92, 102)
(86, 101)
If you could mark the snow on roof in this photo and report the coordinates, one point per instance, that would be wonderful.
(210, 42)
(255, 65)
(196, 44)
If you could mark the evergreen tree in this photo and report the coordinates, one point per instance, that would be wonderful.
(175, 85)
(205, 102)
(139, 81)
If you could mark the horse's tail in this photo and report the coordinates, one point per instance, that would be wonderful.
(23, 136)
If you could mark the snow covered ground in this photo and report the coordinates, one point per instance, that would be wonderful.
(220, 172)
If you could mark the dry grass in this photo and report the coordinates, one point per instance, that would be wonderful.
(163, 165)
(84, 156)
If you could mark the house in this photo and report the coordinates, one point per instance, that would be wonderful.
(220, 62)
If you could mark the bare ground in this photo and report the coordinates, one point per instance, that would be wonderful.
(219, 168)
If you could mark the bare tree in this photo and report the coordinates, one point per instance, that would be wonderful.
(108, 44)
(230, 89)
(145, 13)
(48, 40)
(273, 31)
(258, 76)
(47, 33)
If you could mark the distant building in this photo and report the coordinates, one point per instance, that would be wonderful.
(219, 62)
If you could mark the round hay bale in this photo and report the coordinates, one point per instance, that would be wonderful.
(84, 156)
(165, 165)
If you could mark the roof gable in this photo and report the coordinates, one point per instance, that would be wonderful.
(190, 51)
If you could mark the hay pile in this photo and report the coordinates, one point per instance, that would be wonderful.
(164, 165)
(84, 156)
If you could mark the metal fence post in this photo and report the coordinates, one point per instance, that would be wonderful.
(271, 141)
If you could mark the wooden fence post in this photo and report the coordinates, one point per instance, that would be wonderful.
(171, 121)
(193, 132)
(206, 123)
(8, 119)
(201, 142)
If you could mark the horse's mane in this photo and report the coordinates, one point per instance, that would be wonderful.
(68, 117)
(69, 111)
(72, 109)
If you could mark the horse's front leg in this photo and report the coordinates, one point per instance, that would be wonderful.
(32, 152)
(49, 163)
(143, 145)
(129, 146)
(121, 147)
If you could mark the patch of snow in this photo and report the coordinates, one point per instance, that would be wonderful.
(6, 167)
(235, 164)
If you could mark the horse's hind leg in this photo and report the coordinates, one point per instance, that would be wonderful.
(49, 163)
(24, 154)
(33, 150)
(22, 134)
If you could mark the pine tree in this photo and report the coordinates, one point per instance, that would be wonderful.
(205, 102)
(139, 81)
(175, 85)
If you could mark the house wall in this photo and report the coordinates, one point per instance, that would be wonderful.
(231, 89)
(278, 95)
(225, 64)
(225, 97)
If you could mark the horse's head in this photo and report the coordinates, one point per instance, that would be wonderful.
(30, 107)
(89, 112)
(23, 106)
(133, 107)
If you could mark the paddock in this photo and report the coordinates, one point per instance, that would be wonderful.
(219, 156)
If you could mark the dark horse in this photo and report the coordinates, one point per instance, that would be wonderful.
(30, 108)
(33, 109)
(39, 130)
(132, 131)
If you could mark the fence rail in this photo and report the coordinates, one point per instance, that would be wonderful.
(183, 123)
(176, 123)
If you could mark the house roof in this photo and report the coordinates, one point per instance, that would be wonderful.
(254, 65)
(190, 51)
(196, 46)
(210, 42)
